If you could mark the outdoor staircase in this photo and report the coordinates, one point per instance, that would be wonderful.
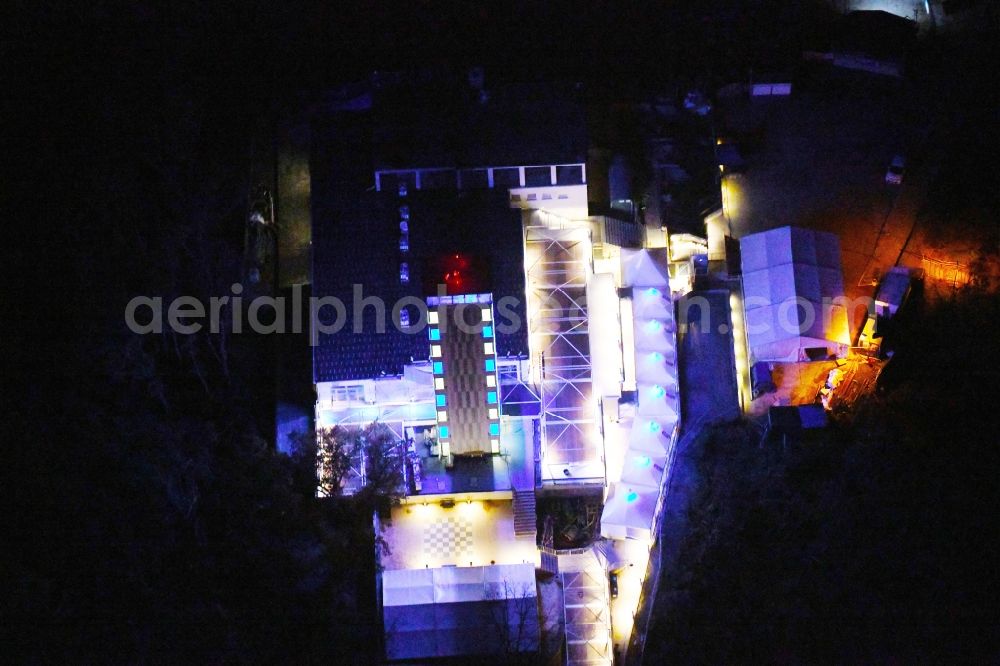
(524, 513)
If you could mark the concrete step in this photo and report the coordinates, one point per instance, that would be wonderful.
(524, 513)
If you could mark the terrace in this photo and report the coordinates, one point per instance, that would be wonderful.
(463, 533)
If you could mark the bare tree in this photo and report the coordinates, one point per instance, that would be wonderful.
(335, 449)
(514, 619)
(383, 458)
(372, 457)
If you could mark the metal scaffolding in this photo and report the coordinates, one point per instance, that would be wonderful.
(557, 266)
(587, 617)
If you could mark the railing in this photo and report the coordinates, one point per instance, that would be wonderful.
(482, 177)
(946, 271)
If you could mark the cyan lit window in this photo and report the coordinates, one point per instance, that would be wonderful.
(487, 331)
(438, 368)
(491, 397)
(435, 334)
(495, 429)
(443, 431)
(441, 400)
(491, 365)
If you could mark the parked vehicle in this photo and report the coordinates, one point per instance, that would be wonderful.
(893, 290)
(894, 175)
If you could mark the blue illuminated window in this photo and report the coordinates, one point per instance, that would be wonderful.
(491, 365)
(494, 429)
(435, 334)
(443, 431)
(487, 331)
(440, 400)
(491, 397)
(438, 368)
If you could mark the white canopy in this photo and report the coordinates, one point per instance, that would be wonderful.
(655, 368)
(654, 364)
(648, 436)
(658, 401)
(629, 511)
(792, 279)
(453, 611)
(645, 268)
(652, 303)
(407, 587)
(631, 506)
(654, 335)
(644, 470)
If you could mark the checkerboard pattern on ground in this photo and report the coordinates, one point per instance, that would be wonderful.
(448, 538)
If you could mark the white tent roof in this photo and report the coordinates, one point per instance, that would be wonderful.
(652, 303)
(791, 277)
(629, 511)
(631, 505)
(663, 359)
(407, 587)
(658, 401)
(653, 335)
(453, 611)
(649, 436)
(655, 368)
(645, 268)
(787, 244)
(644, 470)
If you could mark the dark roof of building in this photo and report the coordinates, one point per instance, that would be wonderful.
(793, 421)
(876, 33)
(452, 127)
(356, 231)
(356, 242)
